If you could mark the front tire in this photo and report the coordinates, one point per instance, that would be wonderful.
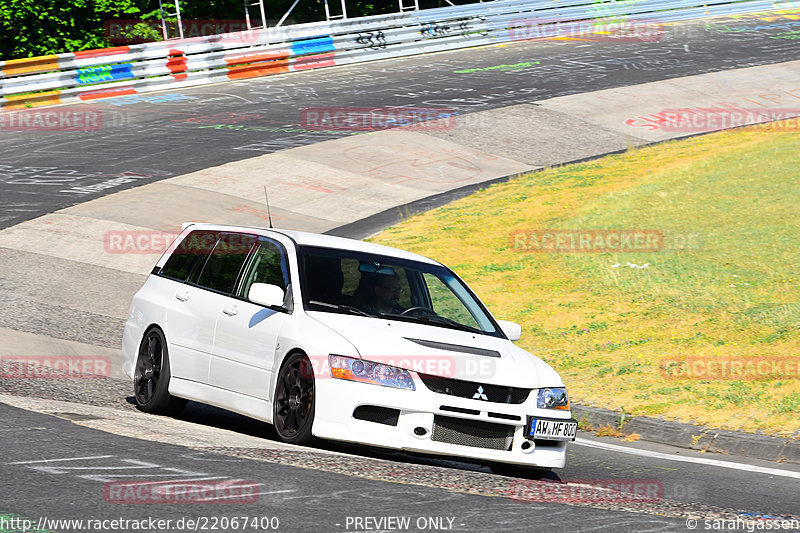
(293, 408)
(151, 376)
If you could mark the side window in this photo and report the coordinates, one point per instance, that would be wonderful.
(225, 262)
(190, 254)
(325, 279)
(269, 265)
(447, 304)
(351, 275)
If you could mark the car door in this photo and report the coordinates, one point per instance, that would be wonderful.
(196, 304)
(247, 333)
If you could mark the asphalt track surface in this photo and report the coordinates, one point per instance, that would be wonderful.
(55, 469)
(39, 487)
(146, 137)
(154, 136)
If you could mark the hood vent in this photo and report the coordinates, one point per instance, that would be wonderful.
(454, 347)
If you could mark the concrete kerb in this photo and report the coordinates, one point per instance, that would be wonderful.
(374, 224)
(690, 436)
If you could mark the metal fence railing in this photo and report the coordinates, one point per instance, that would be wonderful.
(91, 74)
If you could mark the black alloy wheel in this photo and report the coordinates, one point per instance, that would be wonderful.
(152, 374)
(293, 414)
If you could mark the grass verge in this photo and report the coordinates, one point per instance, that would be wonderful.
(722, 287)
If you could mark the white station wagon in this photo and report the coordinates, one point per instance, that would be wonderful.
(344, 340)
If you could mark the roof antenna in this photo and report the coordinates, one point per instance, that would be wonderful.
(269, 214)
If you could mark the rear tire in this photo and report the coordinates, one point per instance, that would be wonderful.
(293, 407)
(151, 376)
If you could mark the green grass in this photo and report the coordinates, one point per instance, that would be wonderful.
(724, 286)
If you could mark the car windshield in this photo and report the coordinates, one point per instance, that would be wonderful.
(347, 282)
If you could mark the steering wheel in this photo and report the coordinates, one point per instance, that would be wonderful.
(419, 308)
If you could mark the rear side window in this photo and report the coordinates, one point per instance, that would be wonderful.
(190, 254)
(224, 264)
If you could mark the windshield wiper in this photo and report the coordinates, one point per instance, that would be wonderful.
(435, 319)
(348, 308)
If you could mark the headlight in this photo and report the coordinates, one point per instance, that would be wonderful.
(352, 369)
(553, 398)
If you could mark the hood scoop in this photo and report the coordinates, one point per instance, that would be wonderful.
(454, 347)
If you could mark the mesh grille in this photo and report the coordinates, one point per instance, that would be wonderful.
(472, 433)
(469, 389)
(379, 415)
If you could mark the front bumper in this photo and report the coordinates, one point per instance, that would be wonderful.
(433, 423)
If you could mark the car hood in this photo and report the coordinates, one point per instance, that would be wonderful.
(441, 351)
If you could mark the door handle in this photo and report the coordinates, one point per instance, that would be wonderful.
(182, 296)
(230, 310)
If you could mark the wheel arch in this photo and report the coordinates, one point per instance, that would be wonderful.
(278, 367)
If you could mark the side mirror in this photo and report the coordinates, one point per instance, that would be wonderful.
(512, 330)
(266, 295)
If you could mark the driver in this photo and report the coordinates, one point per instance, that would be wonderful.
(385, 295)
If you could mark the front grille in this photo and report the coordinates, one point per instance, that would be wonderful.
(472, 433)
(470, 389)
(379, 415)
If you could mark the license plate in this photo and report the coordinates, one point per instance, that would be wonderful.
(551, 428)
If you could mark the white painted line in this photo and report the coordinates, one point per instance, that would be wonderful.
(273, 492)
(169, 481)
(54, 460)
(683, 459)
(59, 469)
(104, 478)
(66, 468)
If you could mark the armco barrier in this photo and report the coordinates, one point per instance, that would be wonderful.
(107, 72)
